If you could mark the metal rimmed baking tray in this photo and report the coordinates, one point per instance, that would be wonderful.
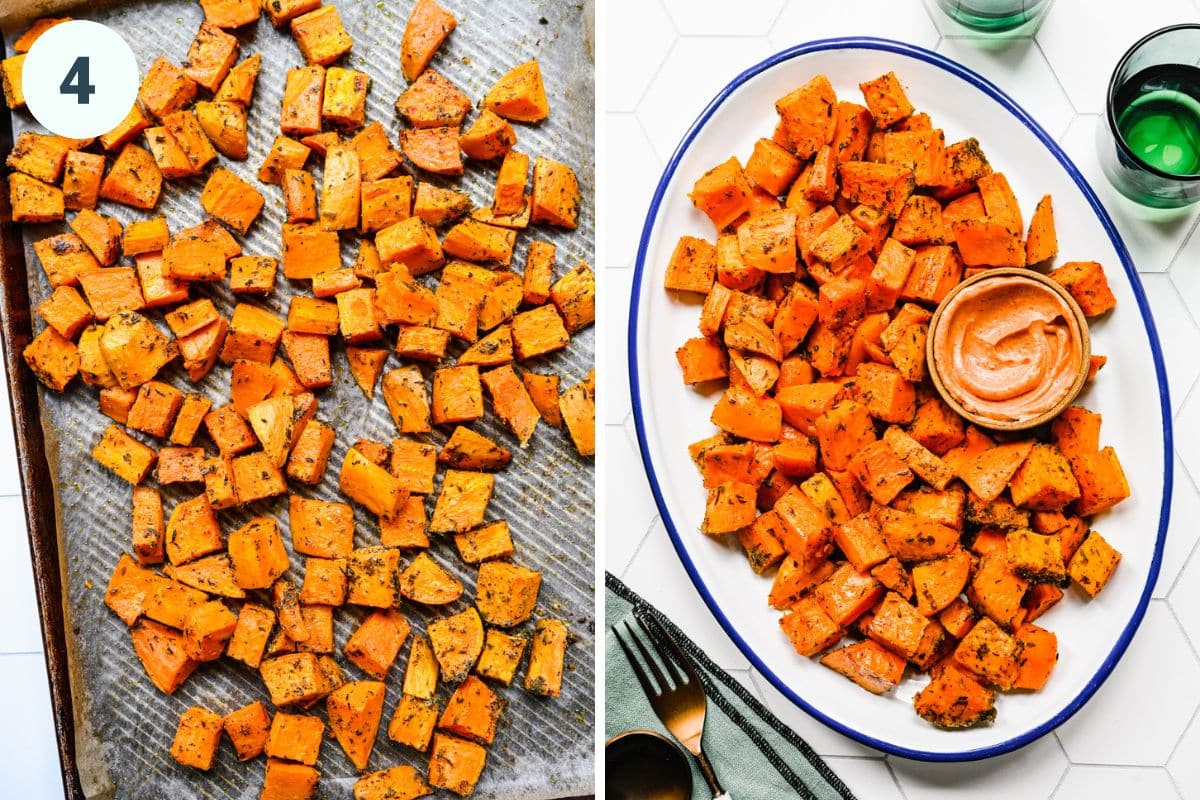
(113, 728)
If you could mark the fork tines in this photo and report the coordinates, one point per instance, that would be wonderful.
(674, 662)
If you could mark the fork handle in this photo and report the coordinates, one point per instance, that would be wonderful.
(710, 777)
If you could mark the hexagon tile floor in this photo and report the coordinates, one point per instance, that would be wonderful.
(666, 58)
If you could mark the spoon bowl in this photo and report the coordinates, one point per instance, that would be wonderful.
(644, 765)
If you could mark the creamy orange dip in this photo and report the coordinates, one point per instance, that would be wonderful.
(1008, 348)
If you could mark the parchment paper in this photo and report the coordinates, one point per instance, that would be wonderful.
(125, 726)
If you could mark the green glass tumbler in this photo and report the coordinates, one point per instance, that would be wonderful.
(993, 16)
(1149, 143)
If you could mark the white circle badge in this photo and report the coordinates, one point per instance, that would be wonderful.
(80, 79)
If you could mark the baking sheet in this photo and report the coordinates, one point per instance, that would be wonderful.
(125, 726)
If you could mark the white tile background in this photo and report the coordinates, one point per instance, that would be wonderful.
(1140, 736)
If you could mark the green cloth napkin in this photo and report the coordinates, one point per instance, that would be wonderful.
(754, 754)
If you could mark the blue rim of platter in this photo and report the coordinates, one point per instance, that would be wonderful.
(990, 89)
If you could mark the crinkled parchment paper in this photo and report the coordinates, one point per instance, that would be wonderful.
(124, 726)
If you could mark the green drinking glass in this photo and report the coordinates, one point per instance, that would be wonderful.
(1150, 147)
(993, 16)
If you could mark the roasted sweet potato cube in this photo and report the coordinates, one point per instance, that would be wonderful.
(772, 167)
(462, 501)
(434, 150)
(538, 332)
(207, 628)
(1036, 656)
(501, 656)
(882, 186)
(324, 582)
(154, 410)
(295, 737)
(1036, 557)
(1093, 563)
(64, 258)
(954, 699)
(407, 399)
(115, 402)
(385, 202)
(320, 35)
(847, 594)
(101, 234)
(293, 678)
(412, 242)
(371, 577)
(489, 136)
(112, 290)
(188, 137)
(556, 198)
(807, 116)
(33, 200)
(1088, 284)
(303, 95)
(1102, 482)
(1044, 481)
(40, 155)
(369, 484)
(345, 97)
(808, 627)
(256, 477)
(466, 449)
(210, 56)
(473, 711)
(130, 588)
(284, 154)
(922, 152)
(321, 528)
(881, 472)
(254, 334)
(10, 76)
(145, 236)
(66, 312)
(374, 645)
(413, 723)
(125, 456)
(936, 269)
(988, 242)
(427, 582)
(723, 193)
(476, 241)
(82, 175)
(692, 268)
(921, 222)
(886, 99)
(161, 651)
(309, 354)
(990, 653)
(860, 541)
(134, 180)
(869, 664)
(577, 407)
(310, 455)
(149, 526)
(231, 200)
(248, 726)
(165, 88)
(192, 531)
(230, 14)
(433, 101)
(547, 653)
(197, 738)
(455, 764)
(427, 27)
(258, 554)
(376, 155)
